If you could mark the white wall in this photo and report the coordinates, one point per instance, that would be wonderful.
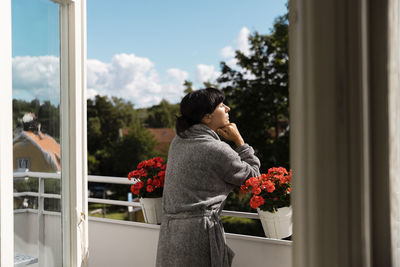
(123, 244)
(127, 244)
(257, 251)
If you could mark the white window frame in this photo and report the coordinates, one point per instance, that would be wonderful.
(73, 132)
(6, 146)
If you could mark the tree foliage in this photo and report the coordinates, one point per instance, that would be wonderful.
(117, 141)
(116, 133)
(188, 87)
(47, 114)
(162, 115)
(258, 94)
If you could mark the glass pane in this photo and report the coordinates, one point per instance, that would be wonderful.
(36, 126)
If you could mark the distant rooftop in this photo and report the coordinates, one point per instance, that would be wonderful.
(163, 135)
(49, 147)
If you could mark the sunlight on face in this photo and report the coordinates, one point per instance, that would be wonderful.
(220, 117)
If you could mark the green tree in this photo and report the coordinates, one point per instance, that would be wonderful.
(48, 115)
(49, 118)
(188, 87)
(137, 145)
(162, 115)
(257, 92)
(117, 141)
(210, 84)
(102, 112)
(113, 151)
(35, 104)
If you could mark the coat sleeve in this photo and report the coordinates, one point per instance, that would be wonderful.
(239, 164)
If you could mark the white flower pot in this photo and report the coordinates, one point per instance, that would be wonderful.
(277, 224)
(151, 208)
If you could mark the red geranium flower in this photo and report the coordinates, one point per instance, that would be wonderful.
(256, 201)
(148, 178)
(244, 189)
(150, 188)
(270, 186)
(271, 190)
(156, 183)
(256, 190)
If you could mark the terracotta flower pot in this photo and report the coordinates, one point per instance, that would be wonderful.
(151, 208)
(277, 224)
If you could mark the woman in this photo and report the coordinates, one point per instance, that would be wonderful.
(201, 171)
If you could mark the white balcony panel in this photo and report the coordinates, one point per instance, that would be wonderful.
(258, 251)
(122, 244)
(26, 237)
(127, 244)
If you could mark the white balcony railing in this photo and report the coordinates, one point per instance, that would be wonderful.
(41, 195)
(117, 242)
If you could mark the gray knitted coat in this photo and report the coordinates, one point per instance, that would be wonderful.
(201, 171)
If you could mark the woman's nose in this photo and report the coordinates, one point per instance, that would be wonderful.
(227, 108)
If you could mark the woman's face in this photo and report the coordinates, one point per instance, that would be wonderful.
(219, 118)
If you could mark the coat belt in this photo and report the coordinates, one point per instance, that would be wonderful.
(221, 255)
(193, 214)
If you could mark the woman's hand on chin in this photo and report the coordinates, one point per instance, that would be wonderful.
(230, 132)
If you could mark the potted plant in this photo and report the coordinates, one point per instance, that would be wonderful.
(148, 185)
(271, 197)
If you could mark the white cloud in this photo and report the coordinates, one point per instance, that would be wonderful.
(242, 44)
(36, 77)
(96, 73)
(127, 76)
(228, 52)
(134, 78)
(206, 73)
(243, 41)
(178, 74)
(232, 62)
(173, 85)
(91, 93)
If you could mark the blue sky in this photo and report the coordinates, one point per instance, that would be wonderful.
(35, 28)
(141, 50)
(174, 32)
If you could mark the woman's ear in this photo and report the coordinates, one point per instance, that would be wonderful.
(206, 119)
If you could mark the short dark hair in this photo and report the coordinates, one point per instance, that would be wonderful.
(195, 105)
